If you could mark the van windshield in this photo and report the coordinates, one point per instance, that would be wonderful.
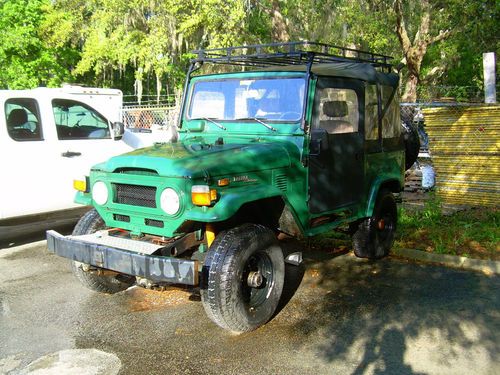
(270, 99)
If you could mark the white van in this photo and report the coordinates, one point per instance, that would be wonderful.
(48, 136)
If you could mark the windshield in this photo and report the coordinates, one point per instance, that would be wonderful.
(270, 99)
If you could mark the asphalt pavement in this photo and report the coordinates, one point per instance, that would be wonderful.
(339, 315)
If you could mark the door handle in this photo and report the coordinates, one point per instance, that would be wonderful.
(70, 154)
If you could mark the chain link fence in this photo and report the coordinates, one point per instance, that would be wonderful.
(151, 100)
(144, 117)
(452, 94)
(459, 155)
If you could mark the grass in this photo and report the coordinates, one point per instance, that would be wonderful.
(473, 233)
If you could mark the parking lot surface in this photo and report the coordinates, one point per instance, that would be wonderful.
(339, 315)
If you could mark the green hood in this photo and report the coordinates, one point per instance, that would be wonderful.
(198, 159)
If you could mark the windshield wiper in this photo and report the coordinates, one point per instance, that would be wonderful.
(258, 120)
(215, 123)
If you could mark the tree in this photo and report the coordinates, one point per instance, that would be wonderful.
(146, 44)
(26, 60)
(415, 51)
(456, 62)
(141, 38)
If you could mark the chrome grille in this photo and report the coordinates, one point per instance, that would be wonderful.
(135, 195)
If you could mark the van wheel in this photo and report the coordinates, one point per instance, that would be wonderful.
(243, 278)
(374, 236)
(91, 222)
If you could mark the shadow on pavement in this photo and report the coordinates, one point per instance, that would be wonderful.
(384, 305)
(29, 237)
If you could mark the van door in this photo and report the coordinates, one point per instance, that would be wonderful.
(26, 164)
(336, 170)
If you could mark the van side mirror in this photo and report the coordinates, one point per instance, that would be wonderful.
(319, 141)
(118, 130)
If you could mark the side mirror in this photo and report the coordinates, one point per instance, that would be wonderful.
(118, 130)
(319, 141)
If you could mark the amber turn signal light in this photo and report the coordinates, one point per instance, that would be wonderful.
(202, 195)
(81, 184)
(223, 182)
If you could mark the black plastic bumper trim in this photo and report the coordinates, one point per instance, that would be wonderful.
(151, 267)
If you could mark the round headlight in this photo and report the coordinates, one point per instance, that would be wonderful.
(100, 193)
(170, 201)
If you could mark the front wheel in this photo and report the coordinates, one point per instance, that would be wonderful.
(243, 278)
(374, 236)
(91, 222)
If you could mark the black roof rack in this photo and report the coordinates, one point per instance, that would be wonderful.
(291, 53)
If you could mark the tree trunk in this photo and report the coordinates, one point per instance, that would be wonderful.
(414, 52)
(410, 93)
(280, 28)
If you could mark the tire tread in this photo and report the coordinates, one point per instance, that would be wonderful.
(90, 223)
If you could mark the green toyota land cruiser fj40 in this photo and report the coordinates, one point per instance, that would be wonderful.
(305, 138)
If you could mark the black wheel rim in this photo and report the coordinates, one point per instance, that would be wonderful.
(386, 223)
(255, 296)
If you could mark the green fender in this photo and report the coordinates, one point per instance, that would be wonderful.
(230, 201)
(83, 198)
(393, 182)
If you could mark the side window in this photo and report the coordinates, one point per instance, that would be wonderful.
(371, 113)
(23, 119)
(391, 122)
(75, 120)
(338, 110)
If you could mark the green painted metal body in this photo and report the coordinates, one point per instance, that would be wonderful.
(260, 163)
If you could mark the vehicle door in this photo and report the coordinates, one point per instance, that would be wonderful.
(336, 162)
(84, 138)
(26, 164)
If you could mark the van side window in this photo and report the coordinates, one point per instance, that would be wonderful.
(23, 119)
(76, 120)
(371, 113)
(338, 110)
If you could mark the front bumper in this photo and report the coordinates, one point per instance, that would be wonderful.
(159, 269)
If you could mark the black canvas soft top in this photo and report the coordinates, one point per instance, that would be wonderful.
(363, 71)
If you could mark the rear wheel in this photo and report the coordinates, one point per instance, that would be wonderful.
(243, 278)
(374, 236)
(89, 276)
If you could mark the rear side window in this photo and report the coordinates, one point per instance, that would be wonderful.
(371, 113)
(23, 119)
(76, 120)
(391, 122)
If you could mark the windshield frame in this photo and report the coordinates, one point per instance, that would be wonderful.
(247, 76)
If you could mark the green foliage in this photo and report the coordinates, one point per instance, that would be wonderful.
(458, 60)
(122, 43)
(26, 59)
(132, 41)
